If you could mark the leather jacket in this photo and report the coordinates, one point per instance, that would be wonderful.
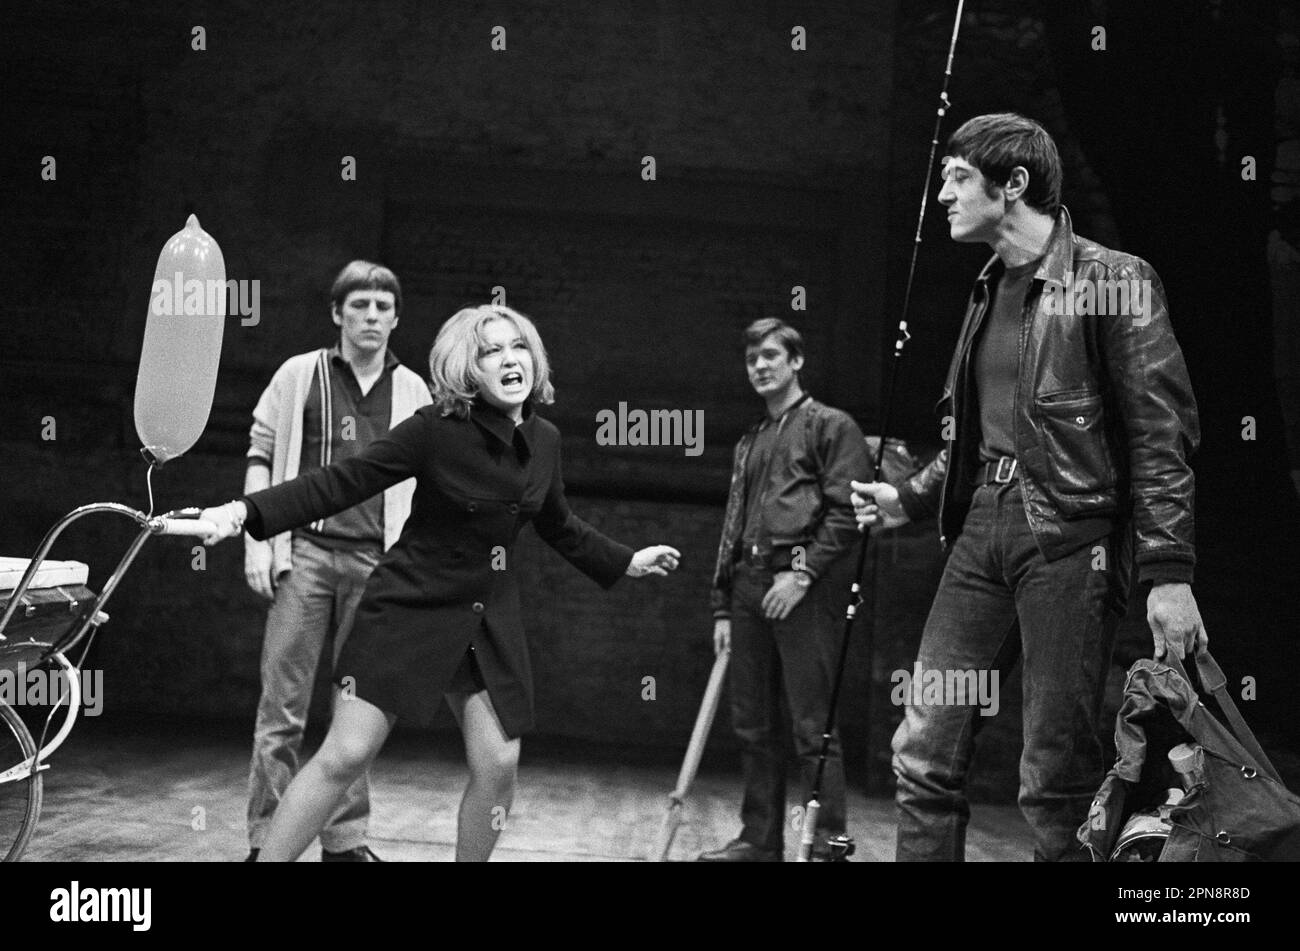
(1104, 418)
(805, 499)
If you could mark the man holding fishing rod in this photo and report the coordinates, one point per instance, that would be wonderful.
(1068, 421)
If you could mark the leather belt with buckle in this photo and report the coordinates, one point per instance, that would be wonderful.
(1001, 471)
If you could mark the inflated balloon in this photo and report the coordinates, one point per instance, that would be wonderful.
(182, 344)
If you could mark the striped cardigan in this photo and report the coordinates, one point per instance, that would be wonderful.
(276, 435)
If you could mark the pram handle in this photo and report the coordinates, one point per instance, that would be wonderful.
(183, 522)
(179, 522)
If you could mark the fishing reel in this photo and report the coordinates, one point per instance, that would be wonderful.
(836, 848)
(839, 848)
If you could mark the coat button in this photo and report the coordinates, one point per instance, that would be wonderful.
(478, 607)
(514, 509)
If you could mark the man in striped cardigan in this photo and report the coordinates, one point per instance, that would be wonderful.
(321, 407)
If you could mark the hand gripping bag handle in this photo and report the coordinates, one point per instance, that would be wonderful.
(1216, 682)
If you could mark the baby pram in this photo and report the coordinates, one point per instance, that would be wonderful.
(47, 612)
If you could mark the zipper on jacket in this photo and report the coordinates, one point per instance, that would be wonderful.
(958, 385)
(1026, 318)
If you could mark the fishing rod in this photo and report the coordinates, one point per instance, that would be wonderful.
(841, 846)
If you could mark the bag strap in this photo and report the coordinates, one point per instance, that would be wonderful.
(1216, 682)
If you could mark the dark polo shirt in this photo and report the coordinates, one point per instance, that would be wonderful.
(353, 422)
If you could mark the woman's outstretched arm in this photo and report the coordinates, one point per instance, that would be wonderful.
(590, 551)
(392, 458)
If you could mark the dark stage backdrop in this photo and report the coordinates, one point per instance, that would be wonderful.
(523, 170)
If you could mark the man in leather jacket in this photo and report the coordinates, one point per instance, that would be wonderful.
(1068, 421)
(780, 585)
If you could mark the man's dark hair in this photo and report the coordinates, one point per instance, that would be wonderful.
(765, 327)
(998, 142)
(363, 275)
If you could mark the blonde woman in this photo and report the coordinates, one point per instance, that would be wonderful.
(440, 615)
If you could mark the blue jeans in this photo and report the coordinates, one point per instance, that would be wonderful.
(798, 655)
(998, 600)
(317, 596)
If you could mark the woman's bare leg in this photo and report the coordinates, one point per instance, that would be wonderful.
(493, 766)
(356, 734)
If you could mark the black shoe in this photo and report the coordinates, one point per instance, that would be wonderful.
(738, 850)
(252, 855)
(361, 853)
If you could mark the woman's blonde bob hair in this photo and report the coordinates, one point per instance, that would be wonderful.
(453, 360)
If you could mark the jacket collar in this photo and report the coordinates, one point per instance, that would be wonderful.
(1056, 263)
(790, 410)
(335, 353)
(493, 421)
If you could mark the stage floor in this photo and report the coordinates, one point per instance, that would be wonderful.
(153, 791)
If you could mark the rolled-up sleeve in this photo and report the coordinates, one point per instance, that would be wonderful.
(261, 436)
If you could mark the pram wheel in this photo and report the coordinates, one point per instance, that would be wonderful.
(20, 787)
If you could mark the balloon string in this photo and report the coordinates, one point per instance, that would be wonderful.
(148, 480)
